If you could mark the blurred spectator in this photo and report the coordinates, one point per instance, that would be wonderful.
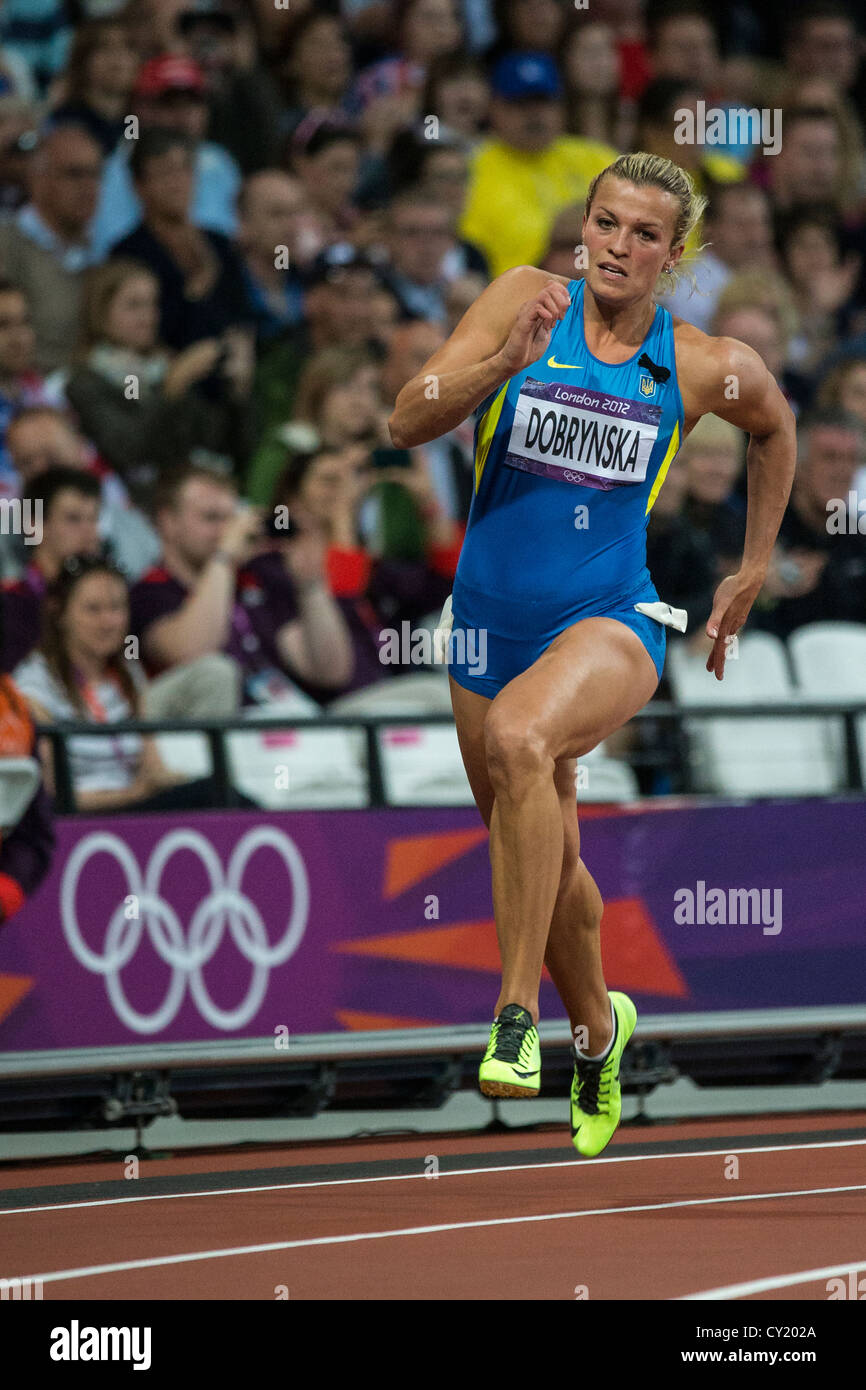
(17, 139)
(684, 44)
(341, 295)
(98, 80)
(591, 67)
(82, 671)
(422, 247)
(388, 92)
(809, 166)
(451, 458)
(325, 156)
(822, 278)
(528, 170)
(45, 246)
(37, 34)
(199, 272)
(338, 398)
(738, 236)
(822, 40)
(658, 121)
(315, 68)
(712, 459)
(224, 585)
(169, 95)
(140, 404)
(757, 308)
(20, 384)
(245, 110)
(69, 502)
(566, 237)
(457, 93)
(818, 569)
(459, 295)
(529, 24)
(43, 437)
(269, 209)
(843, 390)
(328, 490)
(680, 559)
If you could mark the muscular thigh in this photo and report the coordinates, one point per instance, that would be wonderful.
(589, 682)
(470, 712)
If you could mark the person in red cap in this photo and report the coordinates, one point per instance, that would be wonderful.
(170, 91)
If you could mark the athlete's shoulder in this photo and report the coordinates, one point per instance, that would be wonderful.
(699, 353)
(722, 376)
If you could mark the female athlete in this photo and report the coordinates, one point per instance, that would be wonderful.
(583, 390)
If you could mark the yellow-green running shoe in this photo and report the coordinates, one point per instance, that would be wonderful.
(512, 1062)
(596, 1099)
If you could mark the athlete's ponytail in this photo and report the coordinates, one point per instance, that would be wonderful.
(653, 170)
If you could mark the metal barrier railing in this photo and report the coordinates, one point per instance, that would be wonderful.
(215, 730)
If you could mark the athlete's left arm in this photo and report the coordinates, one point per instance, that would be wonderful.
(730, 380)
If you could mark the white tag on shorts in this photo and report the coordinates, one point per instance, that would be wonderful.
(663, 613)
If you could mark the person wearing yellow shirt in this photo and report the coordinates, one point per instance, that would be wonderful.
(528, 170)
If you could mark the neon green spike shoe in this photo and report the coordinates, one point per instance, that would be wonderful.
(596, 1099)
(512, 1062)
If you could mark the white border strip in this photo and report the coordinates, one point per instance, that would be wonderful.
(89, 1271)
(805, 1276)
(414, 1177)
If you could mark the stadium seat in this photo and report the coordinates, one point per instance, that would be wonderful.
(761, 756)
(604, 779)
(422, 765)
(291, 769)
(186, 753)
(19, 780)
(829, 661)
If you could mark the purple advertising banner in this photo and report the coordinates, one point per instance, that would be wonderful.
(227, 924)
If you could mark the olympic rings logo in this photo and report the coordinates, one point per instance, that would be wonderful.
(225, 903)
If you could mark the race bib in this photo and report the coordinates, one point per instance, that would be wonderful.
(580, 435)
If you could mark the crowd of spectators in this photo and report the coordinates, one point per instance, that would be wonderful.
(230, 233)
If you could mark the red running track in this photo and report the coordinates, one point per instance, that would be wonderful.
(734, 1208)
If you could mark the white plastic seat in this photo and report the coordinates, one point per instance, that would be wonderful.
(19, 781)
(753, 755)
(294, 768)
(186, 753)
(604, 779)
(422, 765)
(829, 661)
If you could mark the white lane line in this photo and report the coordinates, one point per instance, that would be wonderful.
(781, 1281)
(414, 1177)
(87, 1271)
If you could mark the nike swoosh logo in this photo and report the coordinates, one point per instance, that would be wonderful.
(569, 366)
(525, 1073)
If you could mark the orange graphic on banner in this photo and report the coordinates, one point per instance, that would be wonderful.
(635, 957)
(12, 990)
(413, 858)
(352, 1018)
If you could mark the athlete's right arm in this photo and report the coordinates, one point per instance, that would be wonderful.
(507, 327)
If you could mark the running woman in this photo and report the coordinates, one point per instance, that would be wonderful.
(583, 391)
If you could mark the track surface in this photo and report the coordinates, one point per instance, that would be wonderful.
(725, 1208)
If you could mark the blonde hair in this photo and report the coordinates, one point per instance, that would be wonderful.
(653, 171)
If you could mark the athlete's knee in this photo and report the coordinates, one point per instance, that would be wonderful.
(516, 751)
